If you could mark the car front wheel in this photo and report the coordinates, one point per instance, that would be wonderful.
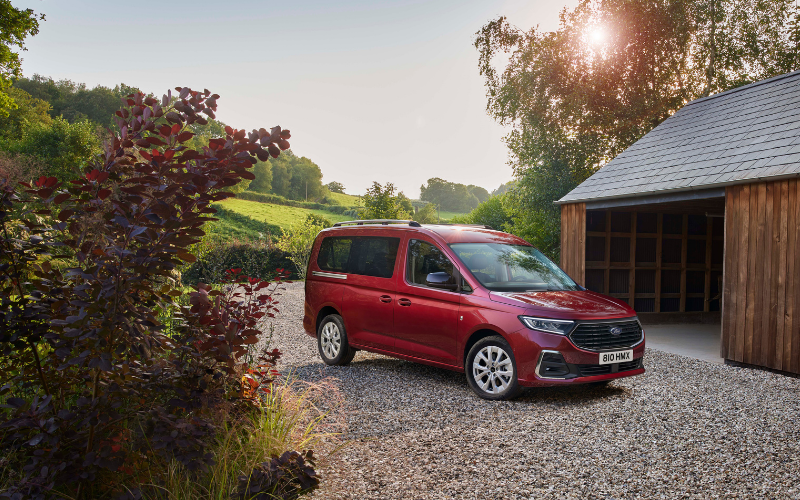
(491, 369)
(332, 341)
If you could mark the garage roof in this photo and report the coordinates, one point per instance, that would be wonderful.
(746, 134)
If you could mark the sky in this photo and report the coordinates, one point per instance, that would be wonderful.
(385, 91)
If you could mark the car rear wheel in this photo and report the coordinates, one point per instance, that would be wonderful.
(491, 369)
(332, 341)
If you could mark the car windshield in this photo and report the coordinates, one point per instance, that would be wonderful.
(512, 268)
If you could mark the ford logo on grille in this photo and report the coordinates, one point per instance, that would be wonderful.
(615, 330)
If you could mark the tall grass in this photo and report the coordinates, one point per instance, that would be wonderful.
(293, 416)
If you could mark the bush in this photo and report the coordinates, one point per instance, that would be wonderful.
(96, 386)
(494, 212)
(257, 259)
(299, 240)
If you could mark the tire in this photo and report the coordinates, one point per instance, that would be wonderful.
(332, 342)
(483, 368)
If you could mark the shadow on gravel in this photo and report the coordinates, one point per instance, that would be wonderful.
(394, 375)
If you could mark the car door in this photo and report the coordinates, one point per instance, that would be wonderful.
(426, 318)
(370, 289)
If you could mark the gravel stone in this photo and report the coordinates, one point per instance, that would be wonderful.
(685, 429)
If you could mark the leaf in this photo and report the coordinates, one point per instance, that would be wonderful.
(103, 193)
(186, 256)
(61, 198)
(185, 136)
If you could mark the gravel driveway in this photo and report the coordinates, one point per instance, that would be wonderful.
(685, 429)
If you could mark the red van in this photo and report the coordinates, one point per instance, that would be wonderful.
(465, 298)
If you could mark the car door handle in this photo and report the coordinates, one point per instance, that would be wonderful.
(404, 302)
(385, 299)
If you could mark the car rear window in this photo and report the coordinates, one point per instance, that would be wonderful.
(363, 255)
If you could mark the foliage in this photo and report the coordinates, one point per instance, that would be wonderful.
(28, 112)
(298, 241)
(263, 177)
(64, 148)
(427, 214)
(335, 187)
(480, 193)
(380, 202)
(19, 168)
(94, 383)
(289, 417)
(494, 212)
(15, 26)
(504, 188)
(296, 178)
(575, 102)
(286, 477)
(216, 255)
(74, 101)
(452, 196)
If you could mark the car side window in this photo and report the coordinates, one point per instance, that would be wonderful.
(334, 254)
(423, 259)
(364, 255)
(374, 256)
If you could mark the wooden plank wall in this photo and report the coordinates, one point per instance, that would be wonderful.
(761, 299)
(573, 241)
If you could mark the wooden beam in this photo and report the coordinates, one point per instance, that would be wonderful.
(659, 240)
(684, 245)
(707, 284)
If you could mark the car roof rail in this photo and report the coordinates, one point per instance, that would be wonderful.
(481, 226)
(383, 222)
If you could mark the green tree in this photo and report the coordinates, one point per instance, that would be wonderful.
(577, 97)
(405, 203)
(495, 212)
(263, 181)
(63, 148)
(298, 241)
(15, 26)
(449, 195)
(29, 112)
(480, 193)
(427, 214)
(74, 101)
(335, 187)
(306, 180)
(380, 202)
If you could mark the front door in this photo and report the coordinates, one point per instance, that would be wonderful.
(426, 318)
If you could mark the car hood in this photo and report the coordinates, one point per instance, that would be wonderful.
(567, 305)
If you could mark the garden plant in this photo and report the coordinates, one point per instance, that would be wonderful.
(102, 397)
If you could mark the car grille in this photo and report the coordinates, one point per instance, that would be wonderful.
(591, 370)
(598, 337)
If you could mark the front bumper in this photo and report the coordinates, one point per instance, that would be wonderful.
(577, 366)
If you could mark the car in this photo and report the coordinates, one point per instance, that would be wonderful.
(464, 298)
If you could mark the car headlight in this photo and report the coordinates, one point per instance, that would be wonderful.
(559, 326)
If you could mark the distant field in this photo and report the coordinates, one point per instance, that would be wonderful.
(448, 215)
(346, 199)
(279, 215)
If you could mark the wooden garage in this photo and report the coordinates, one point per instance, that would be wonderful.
(699, 221)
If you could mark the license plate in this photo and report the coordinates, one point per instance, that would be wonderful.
(607, 358)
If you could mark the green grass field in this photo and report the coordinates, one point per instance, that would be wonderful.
(448, 215)
(347, 200)
(278, 215)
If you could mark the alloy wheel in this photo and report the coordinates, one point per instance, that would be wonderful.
(331, 340)
(492, 369)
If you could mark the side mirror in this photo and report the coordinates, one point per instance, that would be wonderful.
(441, 280)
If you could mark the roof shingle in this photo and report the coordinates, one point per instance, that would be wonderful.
(742, 135)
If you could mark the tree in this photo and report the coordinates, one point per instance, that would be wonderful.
(263, 181)
(480, 193)
(298, 241)
(63, 148)
(575, 103)
(427, 214)
(29, 112)
(405, 203)
(15, 26)
(494, 212)
(449, 195)
(335, 187)
(380, 202)
(74, 101)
